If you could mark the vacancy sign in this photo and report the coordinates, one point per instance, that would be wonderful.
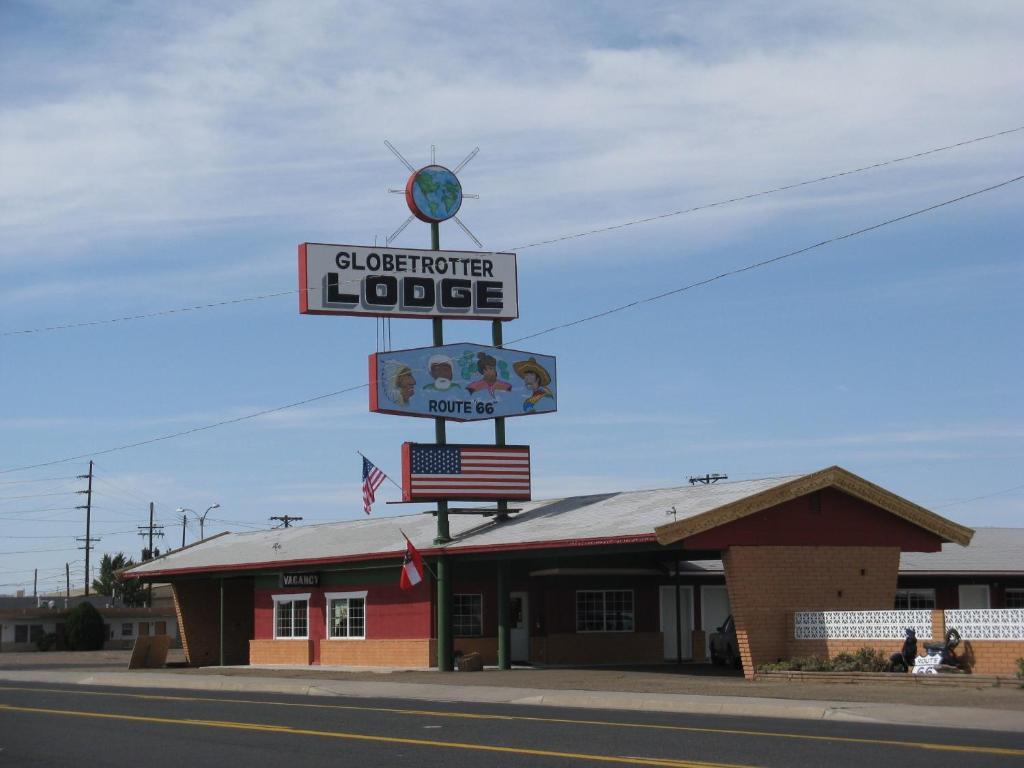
(407, 282)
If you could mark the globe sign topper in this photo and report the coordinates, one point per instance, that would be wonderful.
(433, 194)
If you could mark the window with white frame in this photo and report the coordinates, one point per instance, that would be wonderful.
(915, 599)
(291, 616)
(346, 615)
(604, 610)
(468, 615)
(1015, 598)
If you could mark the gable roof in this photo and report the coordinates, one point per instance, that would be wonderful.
(630, 517)
(832, 477)
(576, 521)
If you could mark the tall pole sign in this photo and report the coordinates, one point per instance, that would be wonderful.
(458, 382)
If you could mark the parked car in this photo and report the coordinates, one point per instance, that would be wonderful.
(724, 649)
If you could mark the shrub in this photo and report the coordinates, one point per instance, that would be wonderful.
(83, 628)
(871, 660)
(47, 641)
(845, 662)
(811, 664)
(1020, 671)
(865, 660)
(778, 666)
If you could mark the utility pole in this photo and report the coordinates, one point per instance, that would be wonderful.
(184, 525)
(67, 577)
(708, 479)
(88, 523)
(35, 583)
(287, 520)
(150, 530)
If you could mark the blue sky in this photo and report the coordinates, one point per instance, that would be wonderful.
(161, 155)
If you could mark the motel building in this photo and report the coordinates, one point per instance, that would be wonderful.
(808, 564)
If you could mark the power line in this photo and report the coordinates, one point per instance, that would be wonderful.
(37, 495)
(772, 191)
(33, 551)
(763, 263)
(588, 318)
(256, 526)
(147, 315)
(978, 498)
(559, 239)
(185, 432)
(5, 512)
(37, 480)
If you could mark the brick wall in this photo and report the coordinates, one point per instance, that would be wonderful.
(197, 606)
(280, 652)
(991, 657)
(766, 583)
(378, 653)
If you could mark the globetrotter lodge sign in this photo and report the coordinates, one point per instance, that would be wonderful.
(406, 282)
(462, 382)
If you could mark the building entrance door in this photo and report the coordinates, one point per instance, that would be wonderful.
(519, 621)
(669, 623)
(714, 610)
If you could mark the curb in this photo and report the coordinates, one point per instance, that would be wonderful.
(731, 706)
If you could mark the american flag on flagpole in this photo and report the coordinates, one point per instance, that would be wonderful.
(478, 472)
(372, 478)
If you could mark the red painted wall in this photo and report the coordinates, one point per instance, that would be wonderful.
(829, 518)
(390, 613)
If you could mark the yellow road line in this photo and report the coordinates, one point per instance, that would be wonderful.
(961, 748)
(284, 729)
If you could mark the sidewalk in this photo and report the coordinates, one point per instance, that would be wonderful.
(994, 709)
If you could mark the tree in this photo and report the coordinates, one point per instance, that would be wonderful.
(128, 591)
(83, 628)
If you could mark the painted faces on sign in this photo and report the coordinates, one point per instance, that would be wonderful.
(441, 371)
(463, 382)
(399, 383)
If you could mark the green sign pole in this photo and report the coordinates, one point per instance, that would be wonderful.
(504, 636)
(443, 535)
(444, 576)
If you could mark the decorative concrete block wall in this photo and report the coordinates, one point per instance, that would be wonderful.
(992, 638)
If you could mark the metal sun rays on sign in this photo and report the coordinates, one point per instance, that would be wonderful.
(433, 192)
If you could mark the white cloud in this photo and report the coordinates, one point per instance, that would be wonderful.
(277, 110)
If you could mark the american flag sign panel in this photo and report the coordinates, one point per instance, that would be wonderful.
(474, 472)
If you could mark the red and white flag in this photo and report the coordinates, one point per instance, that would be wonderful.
(477, 472)
(412, 567)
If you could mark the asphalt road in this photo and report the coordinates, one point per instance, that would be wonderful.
(44, 725)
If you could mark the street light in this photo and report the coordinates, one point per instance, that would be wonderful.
(202, 520)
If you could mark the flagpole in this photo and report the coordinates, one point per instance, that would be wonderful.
(425, 563)
(386, 476)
